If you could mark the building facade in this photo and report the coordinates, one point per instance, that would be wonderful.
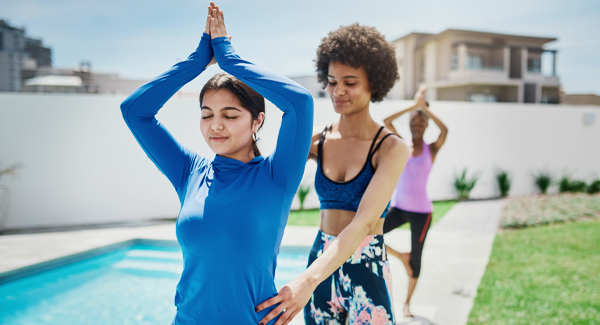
(12, 56)
(462, 65)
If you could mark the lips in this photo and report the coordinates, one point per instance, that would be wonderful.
(340, 102)
(218, 139)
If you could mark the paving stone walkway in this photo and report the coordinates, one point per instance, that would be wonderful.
(455, 256)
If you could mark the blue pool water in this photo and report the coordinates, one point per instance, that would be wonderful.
(135, 285)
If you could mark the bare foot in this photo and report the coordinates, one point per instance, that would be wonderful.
(407, 312)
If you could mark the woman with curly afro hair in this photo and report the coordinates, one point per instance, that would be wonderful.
(358, 165)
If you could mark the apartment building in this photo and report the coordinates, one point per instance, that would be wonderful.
(463, 65)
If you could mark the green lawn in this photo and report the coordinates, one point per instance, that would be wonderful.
(311, 217)
(542, 275)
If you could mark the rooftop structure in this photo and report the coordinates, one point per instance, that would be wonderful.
(466, 65)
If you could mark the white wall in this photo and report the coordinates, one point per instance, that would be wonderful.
(81, 165)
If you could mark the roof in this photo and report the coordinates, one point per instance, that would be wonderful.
(487, 34)
(65, 81)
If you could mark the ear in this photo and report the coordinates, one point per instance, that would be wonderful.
(257, 123)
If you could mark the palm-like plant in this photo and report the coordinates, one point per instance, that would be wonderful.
(569, 185)
(504, 182)
(543, 179)
(594, 187)
(463, 184)
(303, 191)
(9, 171)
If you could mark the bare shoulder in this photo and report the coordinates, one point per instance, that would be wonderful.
(393, 147)
(314, 142)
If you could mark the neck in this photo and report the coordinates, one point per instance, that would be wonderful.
(243, 155)
(417, 141)
(357, 125)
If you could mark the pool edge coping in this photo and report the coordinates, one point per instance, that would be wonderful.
(54, 263)
(33, 269)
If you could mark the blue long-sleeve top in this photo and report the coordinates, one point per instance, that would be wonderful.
(232, 213)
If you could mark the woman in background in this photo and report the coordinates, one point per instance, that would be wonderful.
(410, 202)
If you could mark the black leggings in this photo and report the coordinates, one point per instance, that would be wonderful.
(419, 226)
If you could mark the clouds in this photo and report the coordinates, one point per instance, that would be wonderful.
(140, 39)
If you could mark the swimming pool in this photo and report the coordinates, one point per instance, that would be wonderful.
(132, 285)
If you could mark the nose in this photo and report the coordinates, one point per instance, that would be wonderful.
(339, 89)
(216, 124)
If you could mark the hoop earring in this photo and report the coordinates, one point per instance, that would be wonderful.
(254, 136)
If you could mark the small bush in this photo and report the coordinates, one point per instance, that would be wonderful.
(594, 187)
(504, 182)
(302, 193)
(463, 184)
(9, 170)
(568, 185)
(543, 180)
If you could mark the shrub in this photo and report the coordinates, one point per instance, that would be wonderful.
(463, 184)
(504, 182)
(9, 170)
(302, 193)
(594, 187)
(568, 185)
(543, 180)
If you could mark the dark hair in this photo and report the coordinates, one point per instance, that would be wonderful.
(418, 113)
(360, 46)
(248, 97)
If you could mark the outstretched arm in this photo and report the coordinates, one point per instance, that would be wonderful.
(435, 146)
(140, 108)
(295, 294)
(388, 120)
(293, 142)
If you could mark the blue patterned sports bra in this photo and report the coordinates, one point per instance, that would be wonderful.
(345, 195)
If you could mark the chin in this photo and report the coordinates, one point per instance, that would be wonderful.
(342, 109)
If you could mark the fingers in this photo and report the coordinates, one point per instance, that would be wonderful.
(213, 28)
(287, 316)
(283, 318)
(278, 310)
(268, 303)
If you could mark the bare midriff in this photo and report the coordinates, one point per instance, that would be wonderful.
(334, 221)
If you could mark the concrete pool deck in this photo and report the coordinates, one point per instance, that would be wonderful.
(456, 253)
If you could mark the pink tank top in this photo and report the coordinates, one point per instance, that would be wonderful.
(411, 191)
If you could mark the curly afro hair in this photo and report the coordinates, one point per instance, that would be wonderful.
(360, 46)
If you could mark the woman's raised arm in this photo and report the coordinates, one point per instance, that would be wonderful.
(140, 108)
(289, 158)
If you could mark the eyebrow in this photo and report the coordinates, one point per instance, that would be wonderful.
(345, 77)
(223, 109)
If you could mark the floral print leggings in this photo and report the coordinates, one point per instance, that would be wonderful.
(359, 291)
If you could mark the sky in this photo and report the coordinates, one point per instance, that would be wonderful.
(141, 39)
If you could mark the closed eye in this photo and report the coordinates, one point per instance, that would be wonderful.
(206, 117)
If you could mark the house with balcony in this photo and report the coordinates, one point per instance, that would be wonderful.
(464, 65)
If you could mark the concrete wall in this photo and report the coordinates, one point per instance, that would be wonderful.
(81, 165)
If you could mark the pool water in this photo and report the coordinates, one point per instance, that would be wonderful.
(135, 285)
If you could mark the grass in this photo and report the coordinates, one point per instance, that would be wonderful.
(542, 275)
(521, 212)
(304, 218)
(312, 217)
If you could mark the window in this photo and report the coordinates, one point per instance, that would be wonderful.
(534, 65)
(474, 61)
(454, 64)
(482, 98)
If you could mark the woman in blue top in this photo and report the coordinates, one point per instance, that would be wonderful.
(358, 165)
(234, 208)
